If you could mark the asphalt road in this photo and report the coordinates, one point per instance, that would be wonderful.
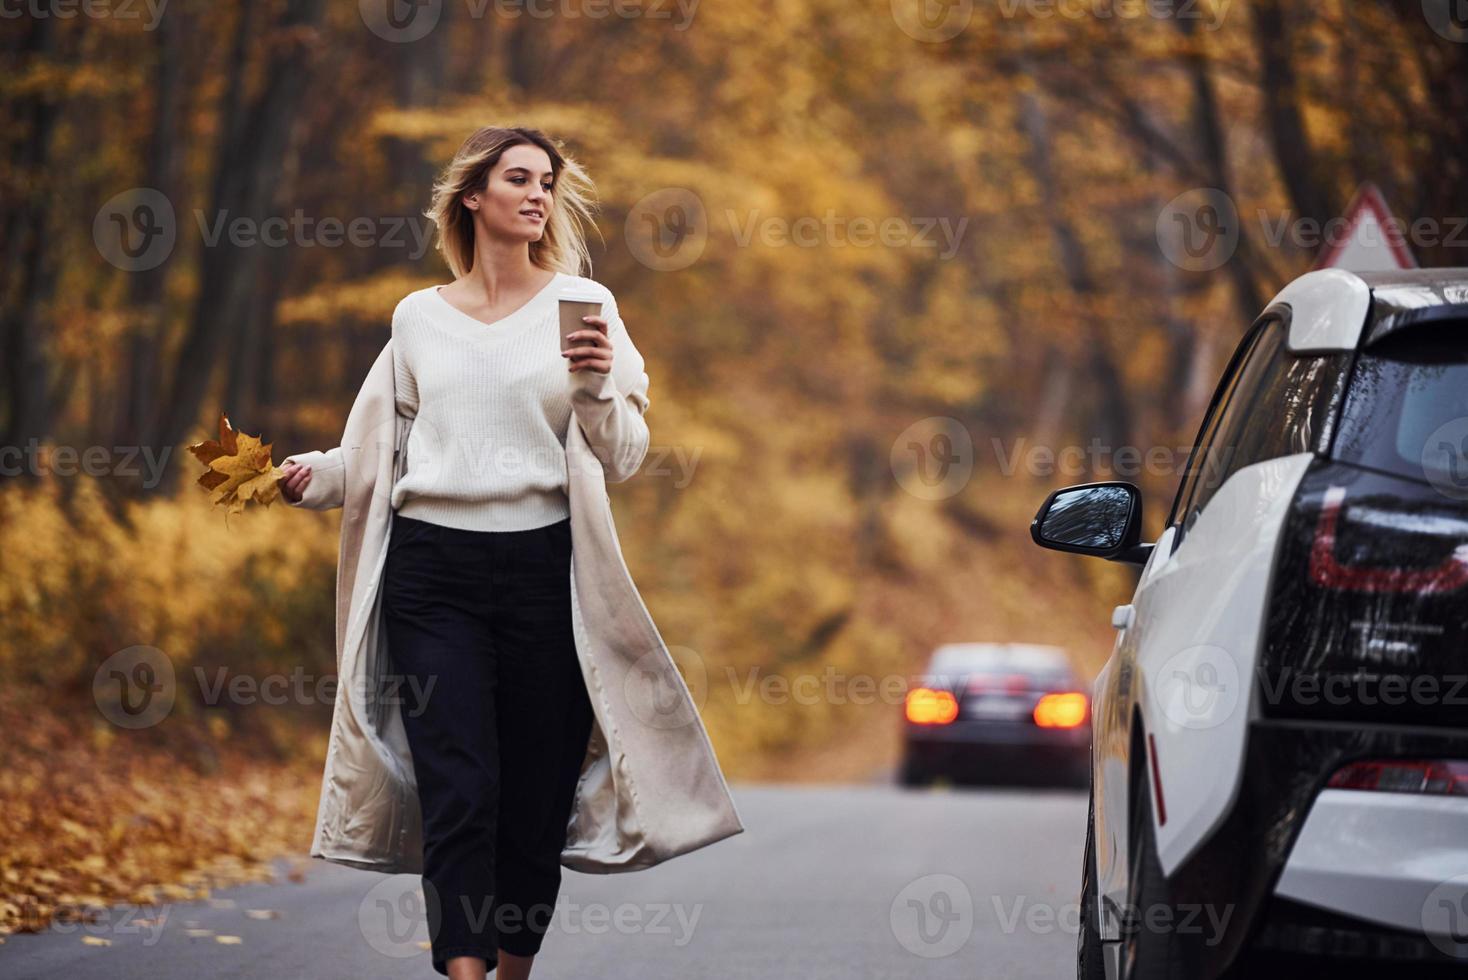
(846, 883)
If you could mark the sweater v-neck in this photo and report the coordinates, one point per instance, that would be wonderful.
(482, 329)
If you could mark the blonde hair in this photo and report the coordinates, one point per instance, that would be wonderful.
(562, 248)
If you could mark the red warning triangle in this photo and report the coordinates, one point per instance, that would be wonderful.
(1371, 239)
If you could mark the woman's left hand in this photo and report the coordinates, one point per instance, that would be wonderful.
(595, 352)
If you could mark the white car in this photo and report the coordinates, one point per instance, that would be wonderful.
(1280, 737)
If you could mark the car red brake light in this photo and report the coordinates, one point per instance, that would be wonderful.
(1367, 619)
(1435, 776)
(1327, 571)
(1065, 710)
(926, 706)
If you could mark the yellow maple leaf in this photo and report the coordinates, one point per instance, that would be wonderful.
(238, 469)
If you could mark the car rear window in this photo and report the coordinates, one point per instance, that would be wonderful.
(999, 660)
(1406, 412)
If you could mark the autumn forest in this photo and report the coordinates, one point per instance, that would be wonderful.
(898, 270)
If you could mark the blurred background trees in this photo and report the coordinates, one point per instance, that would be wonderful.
(795, 534)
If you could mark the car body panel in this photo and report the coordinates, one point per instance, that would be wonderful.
(1411, 290)
(1288, 766)
(1328, 310)
(1112, 710)
(1386, 858)
(1187, 669)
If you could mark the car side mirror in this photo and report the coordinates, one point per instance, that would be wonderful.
(1099, 519)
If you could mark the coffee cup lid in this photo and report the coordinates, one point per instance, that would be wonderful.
(578, 293)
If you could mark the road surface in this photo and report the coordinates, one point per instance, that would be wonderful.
(859, 882)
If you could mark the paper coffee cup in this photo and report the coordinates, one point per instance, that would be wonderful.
(576, 302)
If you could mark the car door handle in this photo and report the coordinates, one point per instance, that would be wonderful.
(1123, 616)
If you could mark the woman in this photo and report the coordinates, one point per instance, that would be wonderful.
(477, 601)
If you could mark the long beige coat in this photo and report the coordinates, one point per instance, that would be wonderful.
(650, 787)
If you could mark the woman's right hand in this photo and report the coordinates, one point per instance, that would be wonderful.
(293, 485)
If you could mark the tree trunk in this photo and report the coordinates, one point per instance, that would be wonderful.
(143, 354)
(1208, 132)
(1112, 419)
(244, 189)
(1309, 187)
(29, 400)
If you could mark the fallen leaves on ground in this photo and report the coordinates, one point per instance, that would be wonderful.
(91, 822)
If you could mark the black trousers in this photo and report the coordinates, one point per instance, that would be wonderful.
(497, 718)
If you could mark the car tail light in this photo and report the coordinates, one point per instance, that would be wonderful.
(1443, 777)
(1368, 611)
(1328, 571)
(926, 706)
(1061, 710)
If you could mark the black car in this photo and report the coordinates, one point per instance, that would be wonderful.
(1010, 712)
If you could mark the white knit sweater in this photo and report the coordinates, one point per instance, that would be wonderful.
(491, 404)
